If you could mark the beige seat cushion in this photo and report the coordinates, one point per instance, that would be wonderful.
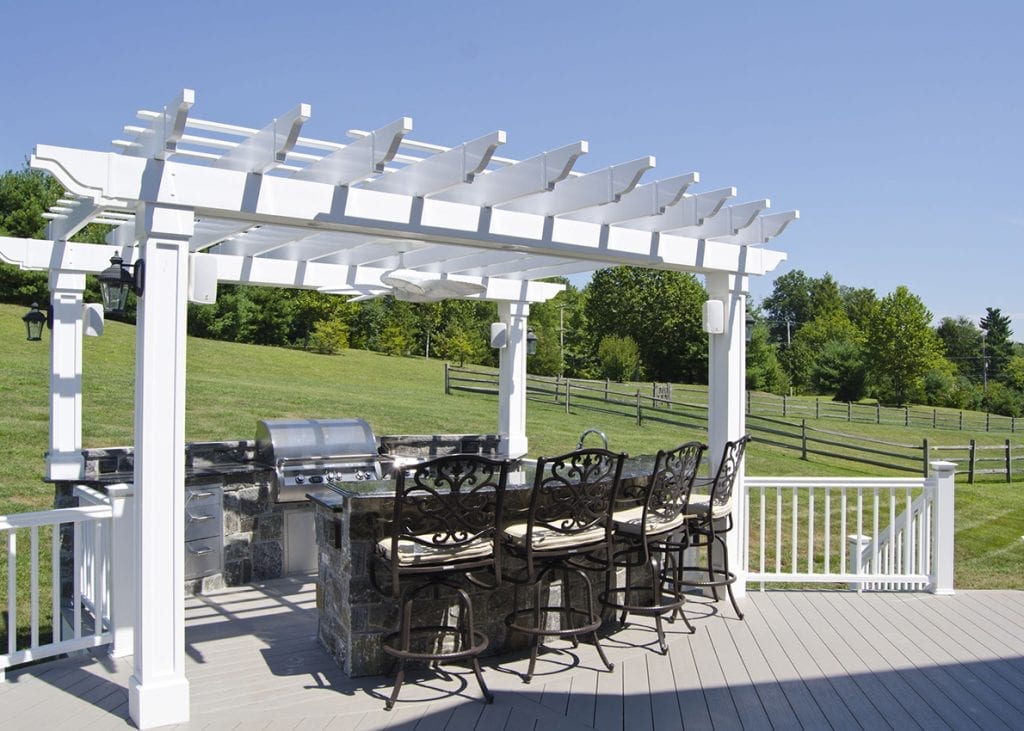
(699, 507)
(546, 539)
(628, 522)
(411, 553)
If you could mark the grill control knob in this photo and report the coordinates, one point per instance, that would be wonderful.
(299, 479)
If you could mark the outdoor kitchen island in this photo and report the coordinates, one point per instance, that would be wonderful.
(353, 616)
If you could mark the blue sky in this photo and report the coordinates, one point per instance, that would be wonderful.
(895, 127)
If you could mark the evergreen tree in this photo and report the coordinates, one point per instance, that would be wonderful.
(998, 346)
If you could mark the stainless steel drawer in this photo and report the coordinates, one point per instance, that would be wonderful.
(204, 512)
(203, 557)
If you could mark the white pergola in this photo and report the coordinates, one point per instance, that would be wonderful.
(203, 202)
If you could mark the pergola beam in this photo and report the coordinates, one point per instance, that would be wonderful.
(275, 200)
(160, 138)
(359, 159)
(443, 170)
(650, 199)
(535, 175)
(593, 189)
(269, 147)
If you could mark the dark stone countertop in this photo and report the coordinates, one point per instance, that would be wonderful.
(336, 496)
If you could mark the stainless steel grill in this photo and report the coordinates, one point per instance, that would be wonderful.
(307, 453)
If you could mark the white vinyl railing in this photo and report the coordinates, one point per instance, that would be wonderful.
(869, 533)
(91, 529)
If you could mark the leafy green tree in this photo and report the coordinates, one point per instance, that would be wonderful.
(839, 369)
(395, 340)
(826, 299)
(329, 336)
(1013, 374)
(998, 346)
(789, 305)
(619, 357)
(901, 346)
(660, 310)
(858, 302)
(455, 342)
(803, 357)
(764, 372)
(962, 341)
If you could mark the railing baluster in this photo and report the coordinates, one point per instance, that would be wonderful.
(762, 532)
(810, 530)
(778, 530)
(828, 530)
(842, 532)
(858, 568)
(34, 586)
(875, 553)
(55, 623)
(12, 585)
(890, 549)
(76, 590)
(794, 539)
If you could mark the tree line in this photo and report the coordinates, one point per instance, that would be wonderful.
(811, 335)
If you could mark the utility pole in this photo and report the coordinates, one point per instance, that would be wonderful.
(561, 341)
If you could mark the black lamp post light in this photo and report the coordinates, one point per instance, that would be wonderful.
(531, 342)
(117, 280)
(34, 320)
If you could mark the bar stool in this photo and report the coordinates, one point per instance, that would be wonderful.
(647, 517)
(709, 519)
(441, 535)
(567, 533)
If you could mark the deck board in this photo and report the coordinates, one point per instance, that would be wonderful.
(815, 659)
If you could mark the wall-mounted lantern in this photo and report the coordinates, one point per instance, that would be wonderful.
(34, 320)
(117, 280)
(750, 327)
(531, 342)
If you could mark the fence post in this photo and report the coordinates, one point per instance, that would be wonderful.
(639, 416)
(970, 463)
(817, 407)
(606, 389)
(849, 411)
(122, 570)
(1008, 461)
(925, 448)
(447, 381)
(935, 418)
(988, 419)
(878, 412)
(784, 414)
(748, 403)
(906, 416)
(803, 439)
(961, 421)
(943, 527)
(568, 390)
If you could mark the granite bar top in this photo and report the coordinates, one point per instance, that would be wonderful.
(336, 496)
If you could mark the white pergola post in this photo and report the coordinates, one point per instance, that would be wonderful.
(159, 691)
(64, 461)
(727, 375)
(512, 378)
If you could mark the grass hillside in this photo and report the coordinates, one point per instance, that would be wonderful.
(231, 386)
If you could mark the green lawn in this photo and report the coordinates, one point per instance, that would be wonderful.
(231, 386)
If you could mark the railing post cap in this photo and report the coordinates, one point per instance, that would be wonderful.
(941, 465)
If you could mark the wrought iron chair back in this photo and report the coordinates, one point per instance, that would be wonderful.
(725, 475)
(671, 481)
(572, 497)
(447, 510)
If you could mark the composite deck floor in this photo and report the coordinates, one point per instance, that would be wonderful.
(800, 659)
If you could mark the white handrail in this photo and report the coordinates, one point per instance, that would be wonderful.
(91, 529)
(870, 533)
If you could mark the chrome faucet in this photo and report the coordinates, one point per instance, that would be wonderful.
(583, 436)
